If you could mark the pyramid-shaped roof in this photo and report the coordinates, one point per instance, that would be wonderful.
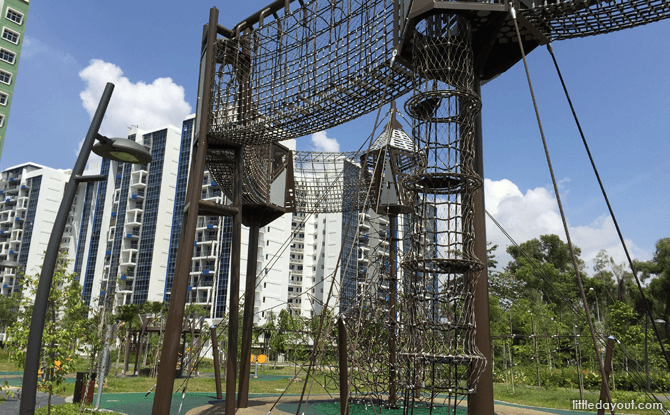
(394, 136)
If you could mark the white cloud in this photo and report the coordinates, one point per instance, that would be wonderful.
(149, 106)
(33, 47)
(535, 213)
(322, 143)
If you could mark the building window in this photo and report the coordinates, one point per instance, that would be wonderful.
(5, 77)
(2, 120)
(7, 56)
(10, 36)
(3, 98)
(14, 16)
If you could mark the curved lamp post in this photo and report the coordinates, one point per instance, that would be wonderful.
(114, 149)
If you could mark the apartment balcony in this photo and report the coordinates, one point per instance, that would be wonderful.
(141, 168)
(130, 248)
(207, 224)
(137, 194)
(138, 180)
(134, 217)
(127, 277)
(133, 235)
(128, 260)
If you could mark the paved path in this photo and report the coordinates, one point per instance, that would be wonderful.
(11, 405)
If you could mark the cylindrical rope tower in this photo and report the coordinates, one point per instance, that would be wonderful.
(439, 355)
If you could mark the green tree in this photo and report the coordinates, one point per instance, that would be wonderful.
(552, 257)
(62, 331)
(9, 309)
(659, 270)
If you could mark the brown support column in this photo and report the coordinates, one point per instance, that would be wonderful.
(344, 367)
(129, 342)
(217, 369)
(248, 319)
(191, 328)
(393, 292)
(234, 285)
(604, 390)
(168, 362)
(481, 402)
(199, 347)
(140, 345)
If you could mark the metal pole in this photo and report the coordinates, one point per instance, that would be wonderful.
(511, 343)
(233, 323)
(217, 368)
(173, 326)
(101, 378)
(481, 402)
(393, 292)
(646, 355)
(29, 387)
(537, 361)
(248, 318)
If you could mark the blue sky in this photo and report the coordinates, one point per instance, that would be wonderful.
(618, 82)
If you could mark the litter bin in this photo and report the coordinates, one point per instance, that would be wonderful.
(80, 390)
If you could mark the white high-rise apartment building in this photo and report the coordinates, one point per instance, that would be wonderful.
(123, 244)
(30, 196)
(123, 236)
(210, 265)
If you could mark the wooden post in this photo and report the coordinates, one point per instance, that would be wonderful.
(344, 368)
(579, 364)
(217, 369)
(234, 284)
(248, 316)
(393, 292)
(140, 345)
(608, 369)
(199, 347)
(166, 371)
(191, 348)
(129, 342)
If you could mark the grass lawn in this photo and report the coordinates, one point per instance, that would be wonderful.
(560, 398)
(275, 380)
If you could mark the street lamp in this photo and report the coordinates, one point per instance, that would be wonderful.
(646, 355)
(113, 149)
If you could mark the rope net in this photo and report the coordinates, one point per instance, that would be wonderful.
(439, 354)
(559, 20)
(316, 67)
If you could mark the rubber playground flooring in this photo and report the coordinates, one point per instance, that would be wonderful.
(201, 403)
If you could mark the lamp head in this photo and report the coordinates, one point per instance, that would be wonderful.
(10, 264)
(121, 149)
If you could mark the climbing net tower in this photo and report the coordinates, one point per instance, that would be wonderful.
(293, 69)
(439, 353)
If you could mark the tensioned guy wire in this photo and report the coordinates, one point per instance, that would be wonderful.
(560, 207)
(647, 307)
